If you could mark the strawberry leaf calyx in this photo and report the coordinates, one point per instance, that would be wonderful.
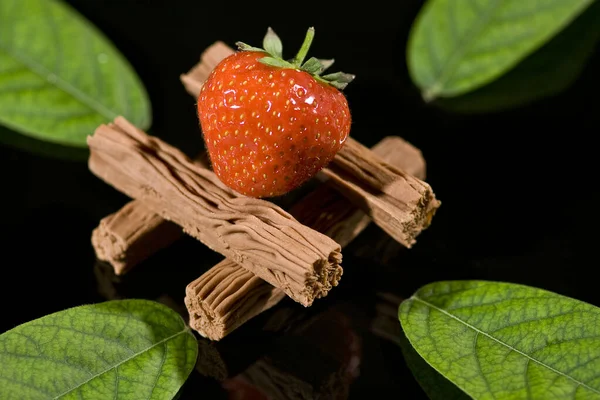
(272, 44)
(273, 48)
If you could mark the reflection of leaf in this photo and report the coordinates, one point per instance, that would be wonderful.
(386, 325)
(506, 341)
(42, 148)
(432, 382)
(60, 77)
(456, 47)
(126, 349)
(546, 72)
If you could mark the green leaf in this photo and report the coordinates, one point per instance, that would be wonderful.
(326, 63)
(339, 80)
(272, 44)
(338, 85)
(506, 341)
(275, 62)
(432, 382)
(125, 349)
(339, 77)
(313, 66)
(547, 72)
(456, 47)
(60, 77)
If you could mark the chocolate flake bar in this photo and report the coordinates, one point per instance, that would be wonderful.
(227, 295)
(254, 233)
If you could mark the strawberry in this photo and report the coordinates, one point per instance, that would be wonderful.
(269, 124)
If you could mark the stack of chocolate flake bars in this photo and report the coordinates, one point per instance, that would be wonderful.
(269, 252)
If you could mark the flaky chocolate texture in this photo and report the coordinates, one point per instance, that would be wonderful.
(131, 235)
(401, 204)
(254, 233)
(227, 296)
(382, 187)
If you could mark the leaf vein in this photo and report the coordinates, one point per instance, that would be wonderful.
(528, 14)
(462, 289)
(60, 83)
(526, 321)
(160, 367)
(526, 379)
(21, 88)
(452, 22)
(483, 376)
(44, 358)
(120, 89)
(491, 303)
(14, 70)
(121, 363)
(432, 306)
(500, 45)
(23, 384)
(591, 360)
(141, 383)
(474, 6)
(83, 333)
(116, 384)
(98, 82)
(58, 45)
(463, 46)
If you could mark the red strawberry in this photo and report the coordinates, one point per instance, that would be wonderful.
(270, 125)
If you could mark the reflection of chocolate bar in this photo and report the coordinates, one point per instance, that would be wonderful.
(113, 287)
(106, 281)
(228, 357)
(316, 359)
(220, 360)
(384, 250)
(386, 324)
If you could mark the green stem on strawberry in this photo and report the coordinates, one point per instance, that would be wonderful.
(273, 47)
(310, 34)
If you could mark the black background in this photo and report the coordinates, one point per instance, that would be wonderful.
(519, 188)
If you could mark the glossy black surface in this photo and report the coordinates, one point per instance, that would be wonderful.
(519, 192)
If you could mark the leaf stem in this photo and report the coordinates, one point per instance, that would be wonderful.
(431, 94)
(310, 34)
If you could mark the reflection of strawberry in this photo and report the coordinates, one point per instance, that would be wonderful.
(240, 389)
(270, 124)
